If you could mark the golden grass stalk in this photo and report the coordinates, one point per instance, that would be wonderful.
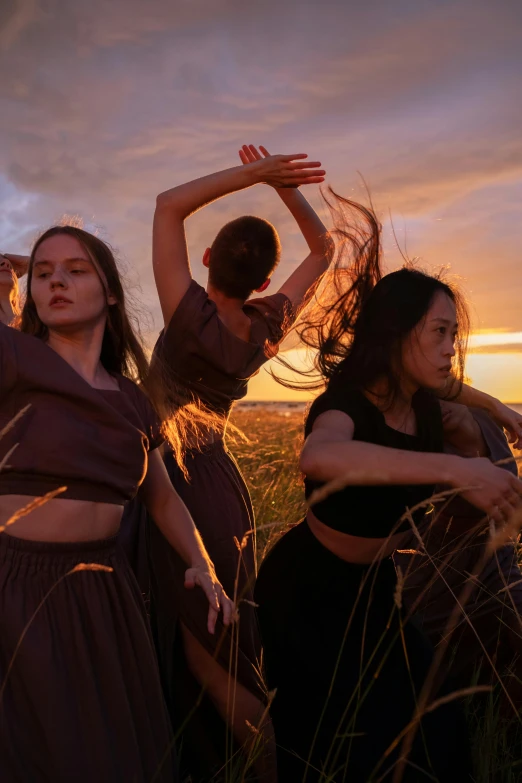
(32, 506)
(10, 424)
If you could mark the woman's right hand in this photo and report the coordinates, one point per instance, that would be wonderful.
(494, 490)
(281, 171)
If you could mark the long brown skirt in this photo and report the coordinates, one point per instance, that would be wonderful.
(219, 503)
(80, 694)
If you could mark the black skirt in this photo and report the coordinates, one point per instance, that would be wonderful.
(80, 694)
(335, 649)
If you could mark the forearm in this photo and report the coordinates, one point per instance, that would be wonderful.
(176, 524)
(361, 463)
(311, 226)
(186, 199)
(474, 398)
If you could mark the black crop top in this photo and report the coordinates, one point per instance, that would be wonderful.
(373, 511)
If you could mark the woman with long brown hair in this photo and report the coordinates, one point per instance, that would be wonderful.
(80, 694)
(349, 668)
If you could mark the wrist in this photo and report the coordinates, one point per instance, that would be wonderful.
(454, 470)
(201, 562)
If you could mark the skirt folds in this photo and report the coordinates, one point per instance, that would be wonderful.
(80, 693)
(347, 671)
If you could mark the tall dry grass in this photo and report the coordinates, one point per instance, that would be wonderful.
(269, 462)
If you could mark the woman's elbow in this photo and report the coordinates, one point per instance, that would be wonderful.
(166, 202)
(309, 461)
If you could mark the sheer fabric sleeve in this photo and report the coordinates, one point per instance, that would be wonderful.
(191, 316)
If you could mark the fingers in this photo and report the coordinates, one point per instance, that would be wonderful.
(506, 509)
(216, 596)
(516, 486)
(496, 515)
(289, 158)
(308, 164)
(212, 619)
(265, 152)
(253, 151)
(228, 608)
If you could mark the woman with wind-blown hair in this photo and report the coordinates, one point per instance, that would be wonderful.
(347, 666)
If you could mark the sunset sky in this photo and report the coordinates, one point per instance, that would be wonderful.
(105, 104)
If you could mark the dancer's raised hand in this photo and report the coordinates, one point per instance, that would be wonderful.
(281, 171)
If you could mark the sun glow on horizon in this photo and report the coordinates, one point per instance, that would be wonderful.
(497, 372)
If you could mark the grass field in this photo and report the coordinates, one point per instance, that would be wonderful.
(269, 462)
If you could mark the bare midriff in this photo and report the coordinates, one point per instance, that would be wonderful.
(60, 520)
(354, 549)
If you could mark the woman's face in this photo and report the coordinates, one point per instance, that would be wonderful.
(428, 351)
(8, 280)
(66, 287)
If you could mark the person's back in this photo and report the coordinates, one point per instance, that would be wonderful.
(213, 342)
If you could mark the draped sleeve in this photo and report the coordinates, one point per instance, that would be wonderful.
(147, 419)
(271, 317)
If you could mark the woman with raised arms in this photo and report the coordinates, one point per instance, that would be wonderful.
(80, 693)
(213, 342)
(347, 665)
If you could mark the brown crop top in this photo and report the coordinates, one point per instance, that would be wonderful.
(94, 442)
(208, 358)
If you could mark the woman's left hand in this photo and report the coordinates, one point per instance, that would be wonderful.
(510, 420)
(205, 577)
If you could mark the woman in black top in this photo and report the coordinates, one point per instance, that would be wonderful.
(347, 667)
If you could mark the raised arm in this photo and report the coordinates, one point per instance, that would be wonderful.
(331, 454)
(315, 234)
(170, 257)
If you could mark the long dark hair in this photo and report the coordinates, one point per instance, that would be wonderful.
(360, 317)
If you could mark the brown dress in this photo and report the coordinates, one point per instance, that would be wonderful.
(80, 692)
(216, 366)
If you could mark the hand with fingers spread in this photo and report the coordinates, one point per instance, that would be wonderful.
(495, 491)
(281, 171)
(204, 576)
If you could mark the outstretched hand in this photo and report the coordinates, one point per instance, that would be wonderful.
(205, 577)
(281, 171)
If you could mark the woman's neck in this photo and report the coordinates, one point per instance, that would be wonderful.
(82, 349)
(397, 407)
